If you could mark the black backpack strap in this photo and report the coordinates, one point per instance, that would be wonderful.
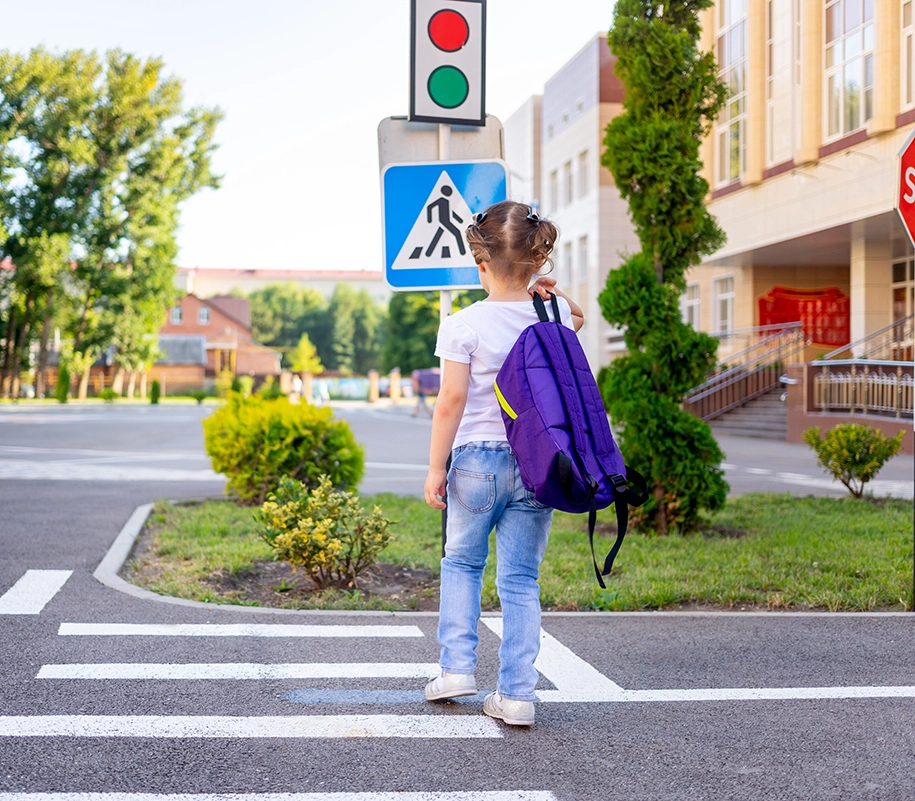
(625, 496)
(540, 306)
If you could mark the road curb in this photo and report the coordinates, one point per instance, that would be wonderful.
(114, 559)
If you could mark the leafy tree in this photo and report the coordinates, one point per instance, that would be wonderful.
(342, 320)
(368, 333)
(853, 452)
(104, 154)
(304, 359)
(652, 150)
(281, 313)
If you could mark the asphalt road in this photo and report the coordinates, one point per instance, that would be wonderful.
(642, 706)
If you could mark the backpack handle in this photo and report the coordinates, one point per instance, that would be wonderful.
(540, 306)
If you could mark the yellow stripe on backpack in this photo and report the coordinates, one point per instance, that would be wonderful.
(504, 403)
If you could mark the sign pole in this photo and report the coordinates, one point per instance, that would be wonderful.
(444, 310)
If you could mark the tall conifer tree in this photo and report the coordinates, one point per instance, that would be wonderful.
(652, 150)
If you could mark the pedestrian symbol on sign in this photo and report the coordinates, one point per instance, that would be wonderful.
(435, 235)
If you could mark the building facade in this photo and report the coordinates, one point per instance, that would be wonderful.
(802, 165)
(574, 190)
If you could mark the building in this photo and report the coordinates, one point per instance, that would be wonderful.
(802, 163)
(205, 283)
(571, 187)
(202, 338)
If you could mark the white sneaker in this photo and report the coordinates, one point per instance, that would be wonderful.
(515, 713)
(450, 685)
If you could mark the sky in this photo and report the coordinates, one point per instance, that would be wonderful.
(303, 86)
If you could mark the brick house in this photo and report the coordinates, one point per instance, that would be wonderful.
(221, 327)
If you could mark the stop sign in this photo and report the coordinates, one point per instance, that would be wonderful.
(905, 196)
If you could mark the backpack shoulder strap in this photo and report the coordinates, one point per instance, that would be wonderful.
(625, 496)
(540, 306)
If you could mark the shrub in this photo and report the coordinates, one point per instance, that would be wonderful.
(269, 389)
(199, 395)
(224, 382)
(108, 395)
(155, 392)
(325, 532)
(255, 442)
(62, 388)
(853, 452)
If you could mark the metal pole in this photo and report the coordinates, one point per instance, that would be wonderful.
(444, 154)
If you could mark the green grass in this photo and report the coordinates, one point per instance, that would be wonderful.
(761, 551)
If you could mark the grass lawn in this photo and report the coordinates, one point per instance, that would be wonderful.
(761, 551)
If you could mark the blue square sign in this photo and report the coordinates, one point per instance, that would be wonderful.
(426, 208)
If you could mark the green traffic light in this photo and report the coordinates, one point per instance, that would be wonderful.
(448, 87)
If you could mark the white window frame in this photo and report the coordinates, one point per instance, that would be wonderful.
(566, 265)
(567, 187)
(727, 295)
(203, 315)
(840, 66)
(690, 304)
(583, 174)
(907, 284)
(731, 127)
(177, 315)
(907, 54)
(554, 190)
(581, 272)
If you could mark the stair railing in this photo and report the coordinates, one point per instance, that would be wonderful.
(748, 373)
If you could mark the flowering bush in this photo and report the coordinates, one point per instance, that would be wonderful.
(324, 531)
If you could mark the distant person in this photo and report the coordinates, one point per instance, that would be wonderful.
(297, 384)
(425, 382)
(510, 243)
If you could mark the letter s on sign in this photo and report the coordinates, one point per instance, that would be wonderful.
(910, 182)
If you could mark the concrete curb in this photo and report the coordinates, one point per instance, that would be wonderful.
(111, 564)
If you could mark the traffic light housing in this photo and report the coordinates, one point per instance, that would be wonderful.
(448, 61)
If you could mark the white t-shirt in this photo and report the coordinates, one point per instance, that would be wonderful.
(481, 336)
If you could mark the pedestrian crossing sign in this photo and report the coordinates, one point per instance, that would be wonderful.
(426, 209)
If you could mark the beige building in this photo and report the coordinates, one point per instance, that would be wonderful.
(802, 163)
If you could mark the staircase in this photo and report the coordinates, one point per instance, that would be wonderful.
(765, 417)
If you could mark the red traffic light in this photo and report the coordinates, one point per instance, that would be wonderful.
(448, 30)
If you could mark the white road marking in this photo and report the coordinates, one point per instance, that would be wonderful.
(758, 471)
(574, 679)
(212, 726)
(474, 795)
(792, 476)
(422, 468)
(758, 694)
(33, 591)
(63, 471)
(244, 670)
(231, 630)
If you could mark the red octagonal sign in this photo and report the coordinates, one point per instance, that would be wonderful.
(905, 196)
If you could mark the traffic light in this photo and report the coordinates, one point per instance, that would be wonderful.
(447, 61)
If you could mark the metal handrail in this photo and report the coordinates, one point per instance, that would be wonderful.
(906, 340)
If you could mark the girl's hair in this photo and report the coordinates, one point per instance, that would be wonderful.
(513, 239)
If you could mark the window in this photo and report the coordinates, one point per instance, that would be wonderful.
(849, 65)
(554, 191)
(689, 305)
(567, 182)
(732, 69)
(566, 271)
(176, 315)
(903, 280)
(908, 54)
(723, 290)
(203, 315)
(770, 84)
(583, 174)
(581, 274)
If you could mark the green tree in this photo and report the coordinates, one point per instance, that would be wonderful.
(369, 333)
(304, 359)
(281, 313)
(652, 149)
(342, 321)
(104, 153)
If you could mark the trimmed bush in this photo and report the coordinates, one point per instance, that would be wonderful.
(853, 452)
(62, 388)
(155, 392)
(325, 532)
(108, 395)
(255, 442)
(199, 395)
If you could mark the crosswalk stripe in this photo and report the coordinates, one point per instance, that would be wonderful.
(242, 670)
(474, 795)
(304, 726)
(231, 630)
(33, 591)
(761, 694)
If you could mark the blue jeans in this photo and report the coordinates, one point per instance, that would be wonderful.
(485, 492)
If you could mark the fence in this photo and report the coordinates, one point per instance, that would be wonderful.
(881, 388)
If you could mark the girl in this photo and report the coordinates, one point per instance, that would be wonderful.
(510, 244)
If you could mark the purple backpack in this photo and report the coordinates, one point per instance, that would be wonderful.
(558, 431)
